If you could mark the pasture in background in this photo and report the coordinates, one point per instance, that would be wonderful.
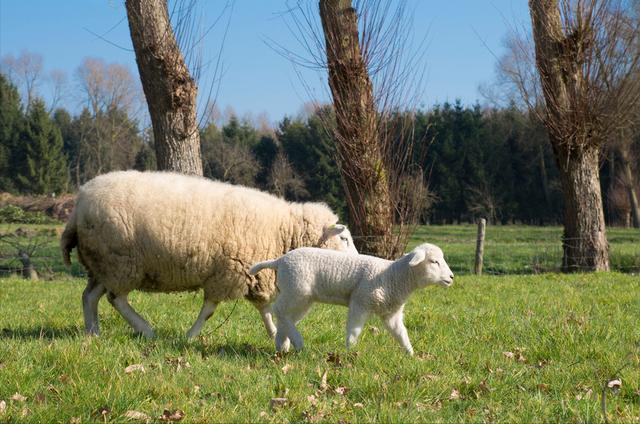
(510, 249)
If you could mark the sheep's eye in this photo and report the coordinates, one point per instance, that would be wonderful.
(434, 261)
(344, 239)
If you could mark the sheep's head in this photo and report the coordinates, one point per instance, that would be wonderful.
(337, 237)
(428, 260)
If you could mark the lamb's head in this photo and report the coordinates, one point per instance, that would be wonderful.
(428, 261)
(337, 237)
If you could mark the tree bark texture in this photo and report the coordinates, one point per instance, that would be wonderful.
(362, 164)
(584, 240)
(629, 183)
(575, 143)
(168, 87)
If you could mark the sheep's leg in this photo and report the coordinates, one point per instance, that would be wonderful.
(90, 298)
(121, 304)
(395, 325)
(267, 319)
(208, 307)
(355, 321)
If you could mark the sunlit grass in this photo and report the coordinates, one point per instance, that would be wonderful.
(569, 335)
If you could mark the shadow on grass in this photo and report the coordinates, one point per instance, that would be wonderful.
(45, 333)
(242, 350)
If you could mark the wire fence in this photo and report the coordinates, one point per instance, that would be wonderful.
(39, 249)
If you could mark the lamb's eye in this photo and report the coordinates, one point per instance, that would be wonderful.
(434, 261)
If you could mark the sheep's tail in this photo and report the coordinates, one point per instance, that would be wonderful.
(272, 264)
(69, 238)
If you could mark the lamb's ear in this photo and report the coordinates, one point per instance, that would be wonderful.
(417, 256)
(333, 230)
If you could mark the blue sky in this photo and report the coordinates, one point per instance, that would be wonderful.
(462, 37)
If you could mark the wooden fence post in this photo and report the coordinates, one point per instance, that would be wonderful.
(480, 246)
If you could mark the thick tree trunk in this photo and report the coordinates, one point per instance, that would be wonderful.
(573, 136)
(584, 240)
(361, 158)
(628, 176)
(169, 88)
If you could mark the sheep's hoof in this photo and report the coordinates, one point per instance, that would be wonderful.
(146, 335)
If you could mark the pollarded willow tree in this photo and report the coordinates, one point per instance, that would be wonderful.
(169, 88)
(363, 45)
(588, 62)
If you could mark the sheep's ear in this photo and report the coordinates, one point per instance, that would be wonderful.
(417, 256)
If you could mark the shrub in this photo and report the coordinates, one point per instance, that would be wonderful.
(11, 214)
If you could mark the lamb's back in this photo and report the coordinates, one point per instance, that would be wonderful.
(328, 276)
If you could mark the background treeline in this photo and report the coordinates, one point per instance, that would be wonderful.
(491, 162)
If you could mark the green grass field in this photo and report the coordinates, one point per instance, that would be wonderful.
(508, 348)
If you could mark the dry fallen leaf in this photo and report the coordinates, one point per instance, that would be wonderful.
(102, 412)
(323, 382)
(167, 415)
(430, 377)
(178, 363)
(614, 384)
(509, 355)
(455, 395)
(334, 358)
(133, 368)
(17, 397)
(341, 390)
(286, 368)
(3, 406)
(358, 405)
(312, 400)
(263, 414)
(137, 416)
(543, 387)
(277, 402)
(586, 395)
(39, 397)
(75, 420)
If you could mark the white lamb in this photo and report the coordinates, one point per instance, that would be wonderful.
(166, 232)
(365, 284)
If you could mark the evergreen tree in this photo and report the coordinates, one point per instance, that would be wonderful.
(11, 121)
(42, 165)
(311, 152)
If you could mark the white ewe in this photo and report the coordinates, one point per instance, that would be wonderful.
(365, 284)
(165, 232)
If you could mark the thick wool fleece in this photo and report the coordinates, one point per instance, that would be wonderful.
(168, 232)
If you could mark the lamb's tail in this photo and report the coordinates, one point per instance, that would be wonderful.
(272, 264)
(69, 238)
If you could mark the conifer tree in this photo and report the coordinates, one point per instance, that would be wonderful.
(11, 119)
(42, 163)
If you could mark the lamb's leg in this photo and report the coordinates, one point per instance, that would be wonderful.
(286, 318)
(90, 298)
(355, 321)
(208, 307)
(121, 304)
(396, 327)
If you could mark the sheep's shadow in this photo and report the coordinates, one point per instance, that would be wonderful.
(230, 350)
(41, 333)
